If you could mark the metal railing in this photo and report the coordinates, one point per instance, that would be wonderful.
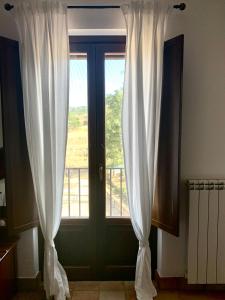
(76, 193)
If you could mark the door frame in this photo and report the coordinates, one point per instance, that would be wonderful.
(86, 44)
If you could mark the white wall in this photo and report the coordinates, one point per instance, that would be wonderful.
(203, 133)
(92, 20)
(7, 24)
(27, 254)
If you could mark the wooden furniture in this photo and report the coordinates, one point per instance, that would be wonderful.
(7, 270)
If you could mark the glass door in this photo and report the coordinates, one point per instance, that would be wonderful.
(116, 243)
(76, 179)
(96, 240)
(76, 238)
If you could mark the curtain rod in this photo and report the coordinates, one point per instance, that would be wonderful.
(180, 6)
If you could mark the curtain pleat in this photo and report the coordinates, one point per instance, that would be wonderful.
(145, 24)
(44, 53)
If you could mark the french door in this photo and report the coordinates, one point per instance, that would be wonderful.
(96, 240)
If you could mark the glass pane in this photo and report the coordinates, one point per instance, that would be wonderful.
(116, 194)
(76, 181)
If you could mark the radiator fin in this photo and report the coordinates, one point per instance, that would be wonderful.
(221, 239)
(193, 238)
(202, 237)
(206, 238)
(212, 237)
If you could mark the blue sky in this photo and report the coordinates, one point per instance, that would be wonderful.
(114, 76)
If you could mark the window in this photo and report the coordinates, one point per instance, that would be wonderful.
(116, 194)
(76, 179)
(94, 174)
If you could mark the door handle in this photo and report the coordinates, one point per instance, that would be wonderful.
(101, 173)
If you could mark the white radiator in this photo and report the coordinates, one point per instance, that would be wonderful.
(206, 237)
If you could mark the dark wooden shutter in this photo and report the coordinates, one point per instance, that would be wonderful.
(166, 202)
(21, 206)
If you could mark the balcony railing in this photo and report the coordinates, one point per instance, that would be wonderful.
(76, 193)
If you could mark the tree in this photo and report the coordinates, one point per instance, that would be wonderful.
(113, 140)
(73, 120)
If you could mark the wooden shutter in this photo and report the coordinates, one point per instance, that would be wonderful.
(166, 203)
(21, 206)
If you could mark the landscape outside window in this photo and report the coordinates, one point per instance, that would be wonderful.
(116, 194)
(76, 191)
(76, 181)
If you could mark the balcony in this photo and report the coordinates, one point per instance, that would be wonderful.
(76, 193)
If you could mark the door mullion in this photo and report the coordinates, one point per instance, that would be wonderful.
(92, 133)
(93, 164)
(100, 121)
(100, 157)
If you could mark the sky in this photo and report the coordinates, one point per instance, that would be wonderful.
(114, 77)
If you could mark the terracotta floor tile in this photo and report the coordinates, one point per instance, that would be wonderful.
(129, 285)
(201, 296)
(83, 295)
(85, 285)
(29, 296)
(112, 285)
(112, 295)
(130, 295)
(164, 295)
(119, 290)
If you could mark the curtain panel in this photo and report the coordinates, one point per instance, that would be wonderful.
(44, 51)
(145, 25)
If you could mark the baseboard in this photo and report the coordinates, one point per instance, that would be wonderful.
(180, 283)
(29, 284)
(168, 283)
(77, 273)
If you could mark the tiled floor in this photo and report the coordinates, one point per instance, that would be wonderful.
(119, 290)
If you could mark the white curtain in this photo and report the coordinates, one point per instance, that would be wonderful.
(44, 51)
(145, 24)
